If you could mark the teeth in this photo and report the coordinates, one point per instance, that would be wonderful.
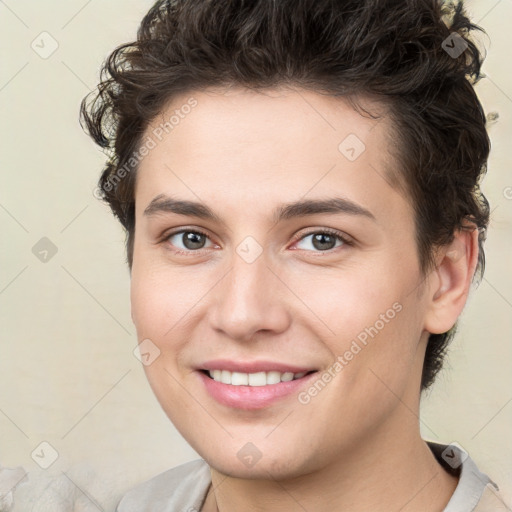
(273, 377)
(286, 377)
(239, 379)
(256, 379)
(253, 379)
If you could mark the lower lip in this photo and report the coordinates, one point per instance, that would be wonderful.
(252, 397)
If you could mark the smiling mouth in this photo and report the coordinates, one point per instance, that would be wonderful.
(253, 379)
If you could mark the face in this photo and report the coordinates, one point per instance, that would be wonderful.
(297, 260)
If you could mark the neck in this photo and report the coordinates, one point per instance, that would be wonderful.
(387, 472)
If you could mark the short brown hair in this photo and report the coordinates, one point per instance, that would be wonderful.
(404, 53)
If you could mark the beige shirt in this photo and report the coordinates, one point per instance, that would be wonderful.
(184, 488)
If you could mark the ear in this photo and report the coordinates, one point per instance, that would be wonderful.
(451, 280)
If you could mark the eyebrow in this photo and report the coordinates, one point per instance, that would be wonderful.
(165, 204)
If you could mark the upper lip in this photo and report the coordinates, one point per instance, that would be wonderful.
(253, 366)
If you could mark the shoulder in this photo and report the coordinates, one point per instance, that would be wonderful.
(475, 491)
(181, 488)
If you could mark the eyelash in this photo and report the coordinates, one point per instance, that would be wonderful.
(324, 231)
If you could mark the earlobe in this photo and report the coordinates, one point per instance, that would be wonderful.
(451, 281)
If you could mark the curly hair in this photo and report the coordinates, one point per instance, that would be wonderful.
(415, 56)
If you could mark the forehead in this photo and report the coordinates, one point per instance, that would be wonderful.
(266, 146)
(280, 118)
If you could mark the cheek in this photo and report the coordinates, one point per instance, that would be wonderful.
(159, 305)
(146, 303)
(351, 301)
(380, 362)
(161, 298)
(374, 321)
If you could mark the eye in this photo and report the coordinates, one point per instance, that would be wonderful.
(190, 240)
(323, 240)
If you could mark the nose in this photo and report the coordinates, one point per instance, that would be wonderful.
(250, 298)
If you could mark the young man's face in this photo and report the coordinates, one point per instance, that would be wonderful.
(263, 293)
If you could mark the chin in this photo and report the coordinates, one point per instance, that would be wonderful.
(245, 460)
(273, 469)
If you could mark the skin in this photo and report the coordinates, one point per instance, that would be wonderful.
(356, 445)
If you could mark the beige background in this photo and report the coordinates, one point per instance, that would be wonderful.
(67, 372)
